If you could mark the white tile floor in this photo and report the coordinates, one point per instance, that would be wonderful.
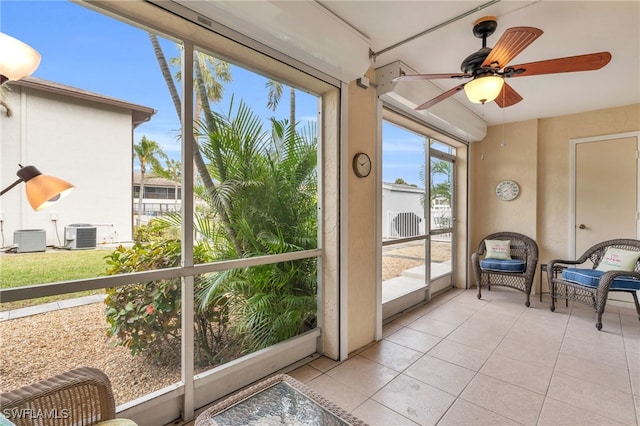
(459, 360)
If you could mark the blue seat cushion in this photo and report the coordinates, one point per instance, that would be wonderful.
(503, 265)
(591, 278)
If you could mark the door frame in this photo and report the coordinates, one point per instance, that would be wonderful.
(573, 143)
(434, 153)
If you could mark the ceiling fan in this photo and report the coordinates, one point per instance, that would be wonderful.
(488, 67)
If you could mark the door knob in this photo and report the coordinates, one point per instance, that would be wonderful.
(582, 226)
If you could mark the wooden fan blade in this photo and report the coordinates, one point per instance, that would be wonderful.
(588, 62)
(441, 97)
(513, 41)
(507, 97)
(431, 76)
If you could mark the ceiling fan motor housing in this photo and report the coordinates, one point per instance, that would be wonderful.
(482, 28)
(472, 63)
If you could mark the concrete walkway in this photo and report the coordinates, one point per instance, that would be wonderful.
(411, 280)
(48, 307)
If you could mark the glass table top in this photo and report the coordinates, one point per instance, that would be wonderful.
(279, 404)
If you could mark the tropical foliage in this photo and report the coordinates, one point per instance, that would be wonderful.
(146, 316)
(440, 180)
(172, 170)
(274, 96)
(267, 190)
(264, 202)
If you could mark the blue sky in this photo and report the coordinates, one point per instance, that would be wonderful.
(403, 155)
(90, 51)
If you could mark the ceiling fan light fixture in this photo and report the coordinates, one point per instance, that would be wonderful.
(17, 59)
(484, 89)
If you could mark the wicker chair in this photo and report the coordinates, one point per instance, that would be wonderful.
(588, 285)
(79, 397)
(519, 273)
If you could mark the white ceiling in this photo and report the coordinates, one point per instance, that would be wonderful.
(570, 28)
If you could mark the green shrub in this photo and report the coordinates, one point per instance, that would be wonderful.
(146, 317)
(155, 230)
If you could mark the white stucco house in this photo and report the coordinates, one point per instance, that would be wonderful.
(78, 136)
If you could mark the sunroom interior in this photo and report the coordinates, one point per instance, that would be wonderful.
(573, 135)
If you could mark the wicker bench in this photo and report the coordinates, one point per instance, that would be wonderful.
(79, 397)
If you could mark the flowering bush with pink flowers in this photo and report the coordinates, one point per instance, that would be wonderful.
(147, 317)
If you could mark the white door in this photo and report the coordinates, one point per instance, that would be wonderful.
(606, 192)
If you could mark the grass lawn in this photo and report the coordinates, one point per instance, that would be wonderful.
(24, 269)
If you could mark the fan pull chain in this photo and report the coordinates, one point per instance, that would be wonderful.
(504, 94)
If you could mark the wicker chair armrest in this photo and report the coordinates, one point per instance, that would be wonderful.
(82, 396)
(607, 278)
(562, 263)
(556, 265)
(532, 261)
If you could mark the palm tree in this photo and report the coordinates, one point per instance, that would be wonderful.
(440, 189)
(172, 171)
(274, 96)
(204, 96)
(268, 182)
(264, 202)
(214, 72)
(437, 168)
(201, 167)
(147, 152)
(440, 185)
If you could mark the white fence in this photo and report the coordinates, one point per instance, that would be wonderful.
(403, 224)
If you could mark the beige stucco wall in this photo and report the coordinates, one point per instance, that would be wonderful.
(553, 196)
(360, 256)
(536, 155)
(508, 152)
(361, 217)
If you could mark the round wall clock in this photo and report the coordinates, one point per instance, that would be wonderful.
(361, 164)
(507, 190)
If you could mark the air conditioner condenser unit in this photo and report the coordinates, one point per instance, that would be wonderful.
(29, 240)
(80, 236)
